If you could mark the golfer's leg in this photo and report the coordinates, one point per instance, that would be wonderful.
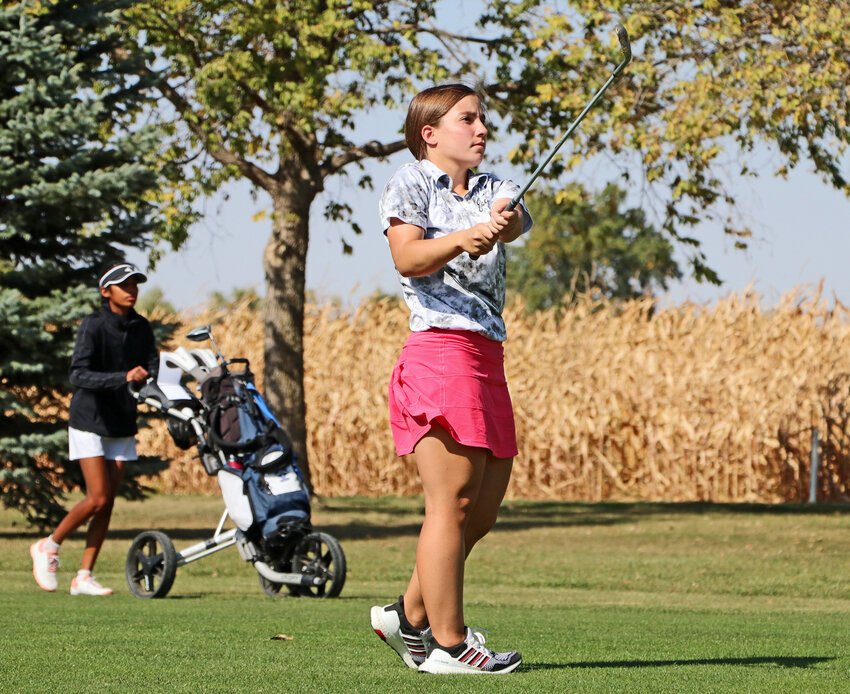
(451, 476)
(100, 522)
(97, 486)
(497, 475)
(414, 605)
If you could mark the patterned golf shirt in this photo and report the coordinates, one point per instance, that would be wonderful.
(464, 294)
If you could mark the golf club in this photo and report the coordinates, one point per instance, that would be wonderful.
(623, 37)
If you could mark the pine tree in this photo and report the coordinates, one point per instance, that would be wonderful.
(78, 184)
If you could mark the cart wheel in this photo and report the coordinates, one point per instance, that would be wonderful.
(270, 588)
(151, 565)
(319, 555)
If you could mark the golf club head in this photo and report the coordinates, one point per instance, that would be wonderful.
(623, 37)
(199, 334)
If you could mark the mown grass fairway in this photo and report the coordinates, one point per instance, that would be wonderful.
(597, 597)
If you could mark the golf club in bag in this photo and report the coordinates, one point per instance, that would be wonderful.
(623, 37)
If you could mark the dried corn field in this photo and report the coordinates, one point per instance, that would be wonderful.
(626, 401)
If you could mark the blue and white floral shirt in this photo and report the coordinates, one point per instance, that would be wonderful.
(464, 294)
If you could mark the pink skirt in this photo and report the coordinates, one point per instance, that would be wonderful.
(454, 378)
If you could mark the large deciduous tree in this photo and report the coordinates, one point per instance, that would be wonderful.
(76, 190)
(272, 91)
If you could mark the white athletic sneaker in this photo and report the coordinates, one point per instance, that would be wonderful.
(392, 626)
(88, 586)
(44, 565)
(469, 657)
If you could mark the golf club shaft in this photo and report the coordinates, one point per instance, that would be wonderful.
(627, 56)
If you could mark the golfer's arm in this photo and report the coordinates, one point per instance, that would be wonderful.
(81, 374)
(416, 256)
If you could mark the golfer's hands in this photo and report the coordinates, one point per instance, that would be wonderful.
(505, 225)
(137, 374)
(480, 239)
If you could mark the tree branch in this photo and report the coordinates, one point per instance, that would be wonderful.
(366, 151)
(434, 31)
(220, 153)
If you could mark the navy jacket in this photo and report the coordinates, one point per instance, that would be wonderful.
(107, 347)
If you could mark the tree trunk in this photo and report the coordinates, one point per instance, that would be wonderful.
(284, 263)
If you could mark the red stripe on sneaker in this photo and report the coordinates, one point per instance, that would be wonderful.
(486, 660)
(378, 632)
(414, 645)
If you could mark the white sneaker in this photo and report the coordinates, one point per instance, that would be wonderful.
(469, 657)
(44, 565)
(392, 626)
(88, 586)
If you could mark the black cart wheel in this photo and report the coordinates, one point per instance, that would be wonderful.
(279, 558)
(270, 588)
(151, 565)
(320, 556)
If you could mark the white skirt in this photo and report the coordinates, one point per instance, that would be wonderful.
(85, 444)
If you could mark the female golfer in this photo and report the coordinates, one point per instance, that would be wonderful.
(114, 345)
(448, 398)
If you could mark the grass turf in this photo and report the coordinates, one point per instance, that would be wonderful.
(597, 597)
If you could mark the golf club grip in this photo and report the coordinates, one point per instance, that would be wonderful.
(511, 206)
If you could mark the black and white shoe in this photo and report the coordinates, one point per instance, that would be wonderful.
(470, 657)
(392, 626)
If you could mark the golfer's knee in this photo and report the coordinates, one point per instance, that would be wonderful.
(455, 512)
(478, 527)
(98, 503)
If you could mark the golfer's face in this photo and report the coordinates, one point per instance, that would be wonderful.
(461, 133)
(124, 294)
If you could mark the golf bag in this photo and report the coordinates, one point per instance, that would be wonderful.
(261, 484)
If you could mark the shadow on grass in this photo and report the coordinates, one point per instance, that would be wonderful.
(780, 661)
(524, 515)
(514, 515)
(584, 509)
(591, 512)
(356, 531)
(176, 534)
(348, 531)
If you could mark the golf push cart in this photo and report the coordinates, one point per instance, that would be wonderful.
(240, 442)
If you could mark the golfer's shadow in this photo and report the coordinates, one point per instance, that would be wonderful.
(780, 661)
